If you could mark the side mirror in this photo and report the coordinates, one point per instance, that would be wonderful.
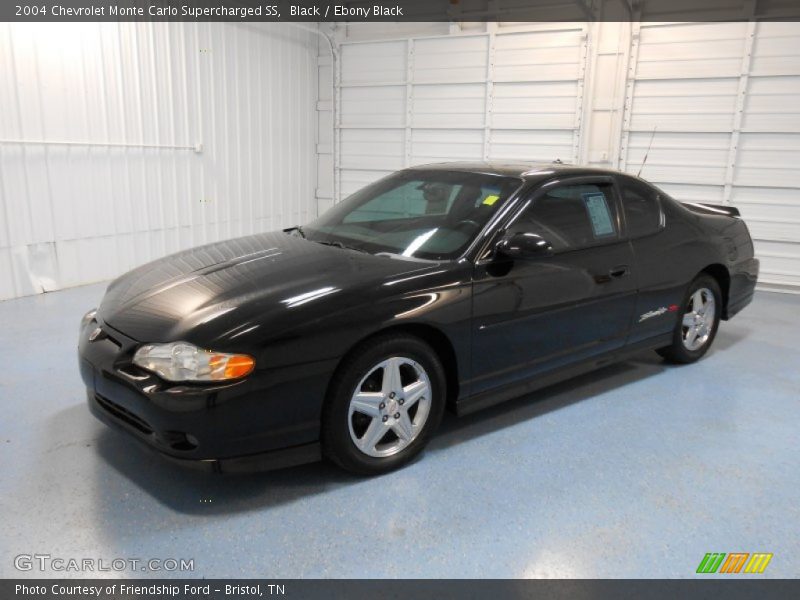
(523, 245)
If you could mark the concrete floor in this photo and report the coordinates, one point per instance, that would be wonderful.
(637, 470)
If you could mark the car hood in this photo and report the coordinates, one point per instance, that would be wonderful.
(220, 290)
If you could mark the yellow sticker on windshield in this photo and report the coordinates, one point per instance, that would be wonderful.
(489, 200)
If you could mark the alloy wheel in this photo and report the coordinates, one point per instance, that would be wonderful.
(698, 321)
(389, 407)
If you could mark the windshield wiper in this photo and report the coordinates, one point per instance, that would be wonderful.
(296, 228)
(341, 245)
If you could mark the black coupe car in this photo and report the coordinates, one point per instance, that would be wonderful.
(444, 286)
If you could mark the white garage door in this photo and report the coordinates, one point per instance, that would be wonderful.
(724, 99)
(505, 94)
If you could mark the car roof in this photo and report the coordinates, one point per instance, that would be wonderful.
(523, 170)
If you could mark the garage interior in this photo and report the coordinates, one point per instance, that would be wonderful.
(123, 142)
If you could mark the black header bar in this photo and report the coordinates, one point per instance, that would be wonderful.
(396, 10)
(733, 588)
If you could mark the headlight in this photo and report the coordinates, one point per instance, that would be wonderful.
(181, 361)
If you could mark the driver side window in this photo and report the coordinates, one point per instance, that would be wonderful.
(571, 217)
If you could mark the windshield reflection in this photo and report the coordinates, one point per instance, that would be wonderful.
(429, 214)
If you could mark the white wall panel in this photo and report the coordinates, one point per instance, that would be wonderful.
(368, 106)
(768, 160)
(378, 62)
(776, 51)
(539, 105)
(325, 109)
(98, 124)
(766, 184)
(773, 104)
(437, 145)
(680, 156)
(531, 145)
(379, 149)
(446, 60)
(692, 105)
(500, 94)
(539, 56)
(448, 106)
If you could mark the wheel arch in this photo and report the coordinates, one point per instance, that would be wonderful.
(723, 277)
(433, 336)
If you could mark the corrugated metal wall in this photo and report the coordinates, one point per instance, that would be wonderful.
(325, 109)
(510, 93)
(100, 127)
(724, 99)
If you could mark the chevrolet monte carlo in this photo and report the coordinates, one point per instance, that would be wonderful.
(451, 286)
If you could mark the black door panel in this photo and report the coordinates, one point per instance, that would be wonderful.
(545, 313)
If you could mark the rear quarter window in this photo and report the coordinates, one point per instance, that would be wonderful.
(642, 207)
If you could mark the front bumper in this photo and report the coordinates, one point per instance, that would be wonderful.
(265, 461)
(267, 420)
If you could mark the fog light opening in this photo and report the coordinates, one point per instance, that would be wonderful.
(183, 442)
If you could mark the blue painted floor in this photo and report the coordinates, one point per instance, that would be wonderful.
(637, 470)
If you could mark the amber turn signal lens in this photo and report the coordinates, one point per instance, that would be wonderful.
(239, 365)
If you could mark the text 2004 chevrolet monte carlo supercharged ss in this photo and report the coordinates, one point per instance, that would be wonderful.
(449, 285)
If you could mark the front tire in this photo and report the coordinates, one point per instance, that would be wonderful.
(386, 400)
(697, 327)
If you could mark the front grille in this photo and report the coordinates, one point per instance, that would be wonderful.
(123, 414)
(113, 340)
(100, 334)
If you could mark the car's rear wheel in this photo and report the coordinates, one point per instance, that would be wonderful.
(386, 400)
(695, 331)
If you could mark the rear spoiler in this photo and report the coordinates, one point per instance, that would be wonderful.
(712, 209)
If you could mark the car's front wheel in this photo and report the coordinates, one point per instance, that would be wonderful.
(386, 400)
(697, 327)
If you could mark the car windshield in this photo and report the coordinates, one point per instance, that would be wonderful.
(415, 213)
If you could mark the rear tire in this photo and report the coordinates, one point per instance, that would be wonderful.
(385, 401)
(697, 324)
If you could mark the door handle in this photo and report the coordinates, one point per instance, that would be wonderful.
(613, 273)
(619, 271)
